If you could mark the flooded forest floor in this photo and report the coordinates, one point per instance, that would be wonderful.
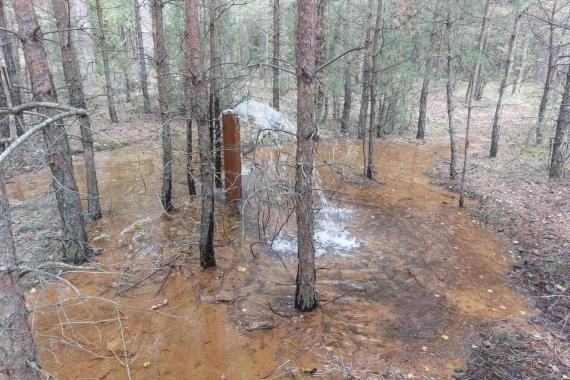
(430, 292)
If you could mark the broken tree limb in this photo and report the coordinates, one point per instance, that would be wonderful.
(39, 127)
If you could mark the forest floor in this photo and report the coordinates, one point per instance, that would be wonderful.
(392, 313)
(516, 199)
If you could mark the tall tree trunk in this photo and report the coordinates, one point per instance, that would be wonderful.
(124, 42)
(105, 56)
(199, 109)
(552, 58)
(320, 57)
(305, 297)
(188, 93)
(449, 93)
(72, 74)
(80, 12)
(161, 65)
(476, 72)
(4, 121)
(18, 355)
(520, 73)
(364, 99)
(479, 83)
(347, 103)
(10, 58)
(503, 86)
(276, 52)
(370, 170)
(427, 77)
(215, 110)
(75, 247)
(560, 148)
(141, 56)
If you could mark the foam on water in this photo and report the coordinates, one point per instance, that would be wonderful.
(261, 124)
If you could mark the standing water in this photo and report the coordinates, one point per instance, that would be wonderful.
(420, 278)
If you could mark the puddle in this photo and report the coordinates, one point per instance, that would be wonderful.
(420, 278)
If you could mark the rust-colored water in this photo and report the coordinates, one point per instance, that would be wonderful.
(422, 278)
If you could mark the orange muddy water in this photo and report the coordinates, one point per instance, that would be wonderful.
(422, 278)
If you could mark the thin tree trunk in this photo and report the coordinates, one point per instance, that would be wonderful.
(560, 148)
(427, 78)
(480, 49)
(479, 83)
(105, 57)
(74, 84)
(80, 10)
(503, 87)
(4, 120)
(18, 355)
(347, 103)
(305, 297)
(520, 74)
(141, 56)
(552, 58)
(364, 99)
(370, 170)
(199, 109)
(10, 58)
(75, 247)
(215, 110)
(161, 65)
(450, 103)
(123, 37)
(276, 52)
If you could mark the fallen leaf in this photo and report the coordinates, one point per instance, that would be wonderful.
(560, 287)
(444, 337)
(424, 348)
(241, 269)
(146, 364)
(162, 303)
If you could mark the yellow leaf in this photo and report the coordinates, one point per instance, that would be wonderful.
(146, 364)
(241, 269)
(444, 337)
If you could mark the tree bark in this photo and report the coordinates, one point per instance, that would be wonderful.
(18, 355)
(4, 120)
(503, 87)
(141, 56)
(347, 103)
(199, 108)
(560, 148)
(552, 58)
(305, 298)
(276, 52)
(427, 78)
(10, 58)
(364, 99)
(105, 57)
(450, 103)
(75, 247)
(214, 107)
(370, 170)
(161, 65)
(476, 72)
(320, 57)
(72, 74)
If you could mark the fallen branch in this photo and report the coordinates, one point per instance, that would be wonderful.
(39, 127)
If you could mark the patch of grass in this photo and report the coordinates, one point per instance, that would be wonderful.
(507, 351)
